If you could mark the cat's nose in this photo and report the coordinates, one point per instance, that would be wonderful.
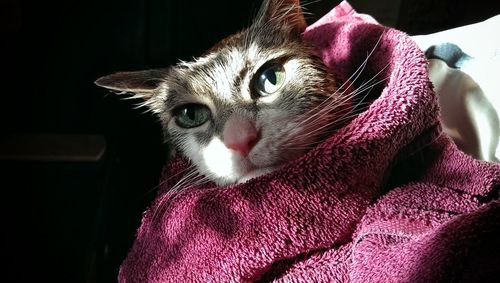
(240, 135)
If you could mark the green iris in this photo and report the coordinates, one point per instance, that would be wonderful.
(270, 79)
(191, 115)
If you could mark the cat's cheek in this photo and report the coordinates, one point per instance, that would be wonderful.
(262, 155)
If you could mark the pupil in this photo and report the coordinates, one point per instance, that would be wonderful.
(270, 75)
(190, 113)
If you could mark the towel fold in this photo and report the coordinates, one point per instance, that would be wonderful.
(387, 198)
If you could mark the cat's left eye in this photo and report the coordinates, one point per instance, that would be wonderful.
(270, 79)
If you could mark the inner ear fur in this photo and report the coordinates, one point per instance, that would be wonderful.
(141, 83)
(284, 14)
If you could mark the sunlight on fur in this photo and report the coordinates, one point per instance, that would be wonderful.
(218, 158)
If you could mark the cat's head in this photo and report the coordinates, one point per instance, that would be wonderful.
(256, 100)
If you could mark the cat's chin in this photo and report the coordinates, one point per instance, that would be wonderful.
(254, 174)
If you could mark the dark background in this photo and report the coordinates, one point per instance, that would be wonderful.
(74, 221)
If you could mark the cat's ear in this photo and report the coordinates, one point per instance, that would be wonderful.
(285, 14)
(143, 84)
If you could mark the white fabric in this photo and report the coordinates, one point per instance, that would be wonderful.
(469, 96)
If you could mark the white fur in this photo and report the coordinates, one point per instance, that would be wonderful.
(218, 159)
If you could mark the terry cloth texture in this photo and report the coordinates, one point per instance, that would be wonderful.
(387, 198)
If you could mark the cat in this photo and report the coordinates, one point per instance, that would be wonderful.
(256, 100)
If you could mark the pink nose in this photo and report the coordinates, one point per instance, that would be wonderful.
(240, 135)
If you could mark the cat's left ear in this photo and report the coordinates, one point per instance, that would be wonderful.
(143, 84)
(284, 14)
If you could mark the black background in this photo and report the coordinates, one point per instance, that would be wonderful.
(70, 222)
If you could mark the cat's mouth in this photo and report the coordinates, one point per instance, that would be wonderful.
(261, 161)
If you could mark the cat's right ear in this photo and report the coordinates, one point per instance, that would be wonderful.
(284, 14)
(143, 84)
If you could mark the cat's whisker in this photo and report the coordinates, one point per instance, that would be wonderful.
(375, 76)
(165, 180)
(304, 4)
(350, 81)
(194, 179)
(334, 104)
(182, 185)
(345, 86)
(353, 96)
(357, 73)
(187, 177)
(362, 66)
(324, 113)
(356, 92)
(366, 89)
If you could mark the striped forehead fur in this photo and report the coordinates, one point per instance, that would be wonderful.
(226, 74)
(223, 76)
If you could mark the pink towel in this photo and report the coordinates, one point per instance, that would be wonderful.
(387, 198)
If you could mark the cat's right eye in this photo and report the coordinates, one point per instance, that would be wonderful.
(270, 79)
(191, 115)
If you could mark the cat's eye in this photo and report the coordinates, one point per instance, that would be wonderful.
(270, 79)
(191, 115)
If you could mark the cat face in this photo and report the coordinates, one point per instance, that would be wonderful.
(256, 100)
